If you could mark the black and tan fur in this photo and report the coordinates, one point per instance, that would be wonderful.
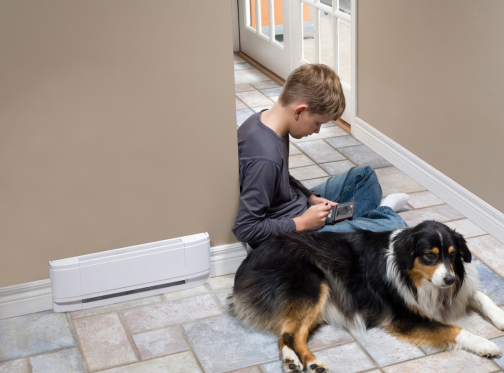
(411, 282)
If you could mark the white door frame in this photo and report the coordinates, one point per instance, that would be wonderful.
(235, 24)
(353, 109)
(295, 49)
(264, 48)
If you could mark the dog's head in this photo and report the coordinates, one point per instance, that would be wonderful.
(432, 251)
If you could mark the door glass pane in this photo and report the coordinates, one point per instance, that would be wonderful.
(264, 11)
(326, 39)
(278, 11)
(344, 49)
(308, 19)
(250, 13)
(345, 6)
(327, 2)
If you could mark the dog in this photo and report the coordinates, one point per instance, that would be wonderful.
(412, 282)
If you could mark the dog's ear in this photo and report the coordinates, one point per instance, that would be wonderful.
(405, 249)
(462, 246)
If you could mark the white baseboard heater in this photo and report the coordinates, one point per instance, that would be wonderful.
(129, 273)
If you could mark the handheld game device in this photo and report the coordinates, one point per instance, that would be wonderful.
(340, 212)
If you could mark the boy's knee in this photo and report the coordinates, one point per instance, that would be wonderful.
(368, 170)
(365, 172)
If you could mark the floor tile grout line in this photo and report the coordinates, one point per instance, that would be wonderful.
(484, 262)
(333, 346)
(313, 160)
(30, 367)
(191, 347)
(216, 300)
(313, 350)
(418, 208)
(129, 336)
(170, 325)
(139, 362)
(155, 357)
(163, 300)
(362, 348)
(133, 346)
(37, 354)
(77, 342)
(428, 207)
(425, 356)
(258, 365)
(497, 365)
(187, 296)
(252, 108)
(28, 357)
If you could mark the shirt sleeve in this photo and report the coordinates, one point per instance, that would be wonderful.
(259, 183)
(297, 184)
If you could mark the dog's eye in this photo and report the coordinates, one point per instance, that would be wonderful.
(452, 254)
(430, 256)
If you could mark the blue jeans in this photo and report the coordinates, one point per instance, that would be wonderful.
(360, 185)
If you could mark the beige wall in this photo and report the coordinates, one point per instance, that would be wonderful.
(117, 127)
(431, 77)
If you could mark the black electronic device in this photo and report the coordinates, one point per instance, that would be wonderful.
(340, 212)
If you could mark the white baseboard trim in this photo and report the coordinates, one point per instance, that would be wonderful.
(25, 298)
(474, 208)
(227, 258)
(36, 296)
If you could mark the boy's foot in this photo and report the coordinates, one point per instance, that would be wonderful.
(395, 201)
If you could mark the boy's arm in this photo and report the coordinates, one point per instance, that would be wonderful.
(258, 188)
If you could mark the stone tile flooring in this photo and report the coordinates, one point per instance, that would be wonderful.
(189, 331)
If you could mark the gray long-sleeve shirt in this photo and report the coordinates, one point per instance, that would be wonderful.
(270, 197)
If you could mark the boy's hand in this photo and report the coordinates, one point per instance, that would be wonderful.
(313, 218)
(314, 200)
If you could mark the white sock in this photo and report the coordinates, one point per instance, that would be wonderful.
(395, 201)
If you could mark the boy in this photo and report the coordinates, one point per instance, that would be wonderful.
(271, 200)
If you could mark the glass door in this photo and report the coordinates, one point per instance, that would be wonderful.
(323, 35)
(283, 34)
(265, 33)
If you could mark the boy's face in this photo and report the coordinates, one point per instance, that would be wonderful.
(306, 124)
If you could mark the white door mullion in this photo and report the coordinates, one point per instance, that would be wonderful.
(258, 16)
(325, 8)
(272, 24)
(343, 16)
(335, 26)
(317, 35)
(353, 101)
(297, 34)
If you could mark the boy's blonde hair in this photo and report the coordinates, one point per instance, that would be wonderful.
(318, 86)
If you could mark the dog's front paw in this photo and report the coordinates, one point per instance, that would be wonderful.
(488, 349)
(316, 366)
(478, 345)
(290, 361)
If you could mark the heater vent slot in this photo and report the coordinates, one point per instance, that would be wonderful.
(115, 295)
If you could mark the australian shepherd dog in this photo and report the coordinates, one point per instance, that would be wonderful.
(412, 282)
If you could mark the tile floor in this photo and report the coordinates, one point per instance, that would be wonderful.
(190, 331)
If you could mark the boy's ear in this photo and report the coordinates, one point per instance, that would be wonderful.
(299, 108)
